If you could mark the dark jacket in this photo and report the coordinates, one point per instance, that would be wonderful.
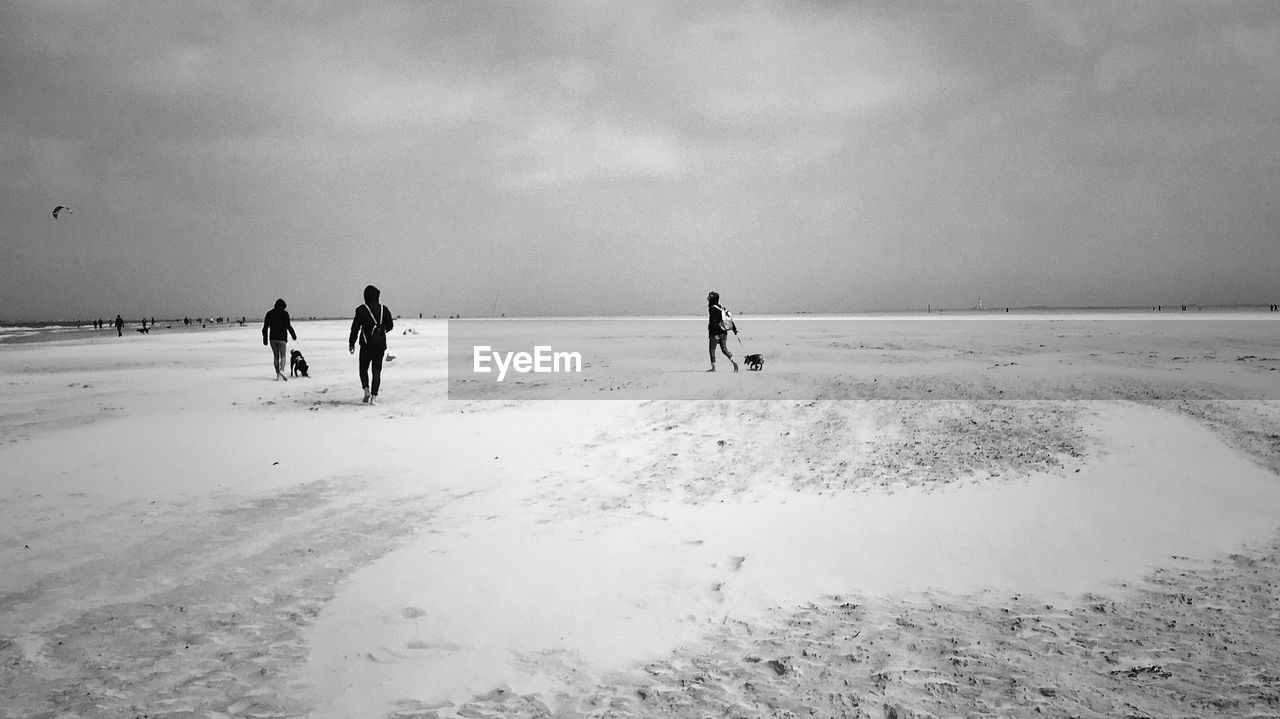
(364, 323)
(276, 326)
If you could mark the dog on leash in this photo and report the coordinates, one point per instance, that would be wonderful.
(754, 363)
(297, 364)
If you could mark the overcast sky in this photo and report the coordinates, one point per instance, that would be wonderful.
(626, 157)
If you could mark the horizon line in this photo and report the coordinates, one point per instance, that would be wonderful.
(231, 321)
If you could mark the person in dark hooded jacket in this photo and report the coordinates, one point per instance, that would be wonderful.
(718, 327)
(370, 326)
(276, 330)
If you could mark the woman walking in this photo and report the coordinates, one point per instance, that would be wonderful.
(276, 330)
(370, 325)
(719, 323)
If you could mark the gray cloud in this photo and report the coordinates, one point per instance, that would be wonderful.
(574, 156)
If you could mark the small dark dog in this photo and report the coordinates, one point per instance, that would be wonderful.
(144, 330)
(754, 363)
(297, 364)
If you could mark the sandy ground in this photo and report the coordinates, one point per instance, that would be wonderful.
(181, 536)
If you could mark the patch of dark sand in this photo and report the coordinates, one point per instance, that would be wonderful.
(1251, 426)
(941, 442)
(703, 452)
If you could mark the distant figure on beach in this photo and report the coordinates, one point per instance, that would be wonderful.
(276, 331)
(719, 323)
(370, 325)
(119, 326)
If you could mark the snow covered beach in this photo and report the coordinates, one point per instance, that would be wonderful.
(184, 536)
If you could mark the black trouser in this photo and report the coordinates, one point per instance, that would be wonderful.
(371, 356)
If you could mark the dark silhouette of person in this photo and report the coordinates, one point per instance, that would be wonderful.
(718, 326)
(371, 325)
(119, 326)
(276, 330)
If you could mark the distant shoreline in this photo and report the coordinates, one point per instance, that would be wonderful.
(25, 333)
(6, 324)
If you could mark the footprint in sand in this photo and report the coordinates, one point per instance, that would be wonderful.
(419, 645)
(717, 592)
(732, 564)
(383, 655)
(412, 613)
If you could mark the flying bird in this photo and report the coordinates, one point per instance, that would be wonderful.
(60, 208)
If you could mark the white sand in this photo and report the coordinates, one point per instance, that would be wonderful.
(530, 547)
(509, 598)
